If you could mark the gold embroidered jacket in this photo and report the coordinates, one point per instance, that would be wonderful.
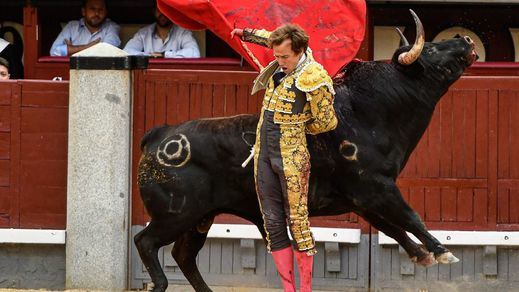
(303, 96)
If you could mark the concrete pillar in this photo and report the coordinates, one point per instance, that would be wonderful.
(98, 186)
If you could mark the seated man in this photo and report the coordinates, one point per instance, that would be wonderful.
(93, 28)
(4, 69)
(163, 39)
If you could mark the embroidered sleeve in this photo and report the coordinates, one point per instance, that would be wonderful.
(323, 113)
(256, 36)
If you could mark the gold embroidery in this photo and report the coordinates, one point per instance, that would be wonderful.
(312, 77)
(284, 93)
(323, 113)
(296, 168)
(289, 81)
(281, 118)
(317, 88)
(284, 107)
(256, 36)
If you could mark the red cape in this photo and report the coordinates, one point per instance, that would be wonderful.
(336, 27)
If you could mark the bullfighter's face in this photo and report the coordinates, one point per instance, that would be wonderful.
(94, 13)
(286, 57)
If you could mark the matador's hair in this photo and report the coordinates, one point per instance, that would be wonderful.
(292, 32)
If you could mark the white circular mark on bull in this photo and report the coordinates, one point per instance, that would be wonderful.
(179, 157)
(348, 150)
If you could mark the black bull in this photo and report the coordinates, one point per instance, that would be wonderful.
(191, 172)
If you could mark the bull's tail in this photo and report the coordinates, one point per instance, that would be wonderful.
(151, 134)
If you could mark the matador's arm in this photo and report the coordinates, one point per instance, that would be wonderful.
(323, 113)
(256, 36)
(315, 81)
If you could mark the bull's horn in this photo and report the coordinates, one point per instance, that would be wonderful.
(403, 40)
(407, 58)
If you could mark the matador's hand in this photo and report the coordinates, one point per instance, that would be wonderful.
(237, 31)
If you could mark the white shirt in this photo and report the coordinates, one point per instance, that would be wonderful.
(77, 32)
(179, 43)
(3, 44)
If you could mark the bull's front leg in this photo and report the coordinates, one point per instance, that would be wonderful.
(387, 200)
(410, 221)
(416, 253)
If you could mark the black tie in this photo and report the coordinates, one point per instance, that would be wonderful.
(277, 78)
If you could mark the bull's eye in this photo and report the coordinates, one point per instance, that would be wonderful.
(449, 71)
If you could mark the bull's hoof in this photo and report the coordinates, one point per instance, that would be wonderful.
(427, 260)
(447, 258)
(150, 287)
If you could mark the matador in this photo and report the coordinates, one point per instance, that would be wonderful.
(298, 101)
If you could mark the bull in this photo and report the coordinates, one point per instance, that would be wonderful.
(192, 172)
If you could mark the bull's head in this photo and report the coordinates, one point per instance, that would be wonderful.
(447, 59)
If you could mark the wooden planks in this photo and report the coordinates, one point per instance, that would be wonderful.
(508, 157)
(175, 96)
(33, 154)
(43, 154)
(9, 128)
(466, 160)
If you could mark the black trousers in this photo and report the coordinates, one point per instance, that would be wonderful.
(282, 184)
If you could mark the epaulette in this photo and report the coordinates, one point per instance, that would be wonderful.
(312, 76)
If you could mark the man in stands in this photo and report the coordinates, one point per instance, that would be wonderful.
(93, 28)
(4, 69)
(163, 39)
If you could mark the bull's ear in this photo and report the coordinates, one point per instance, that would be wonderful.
(415, 68)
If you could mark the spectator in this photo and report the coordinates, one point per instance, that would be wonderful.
(12, 52)
(4, 69)
(93, 28)
(163, 39)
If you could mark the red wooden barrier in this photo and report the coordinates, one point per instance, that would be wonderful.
(463, 175)
(451, 180)
(33, 154)
(175, 96)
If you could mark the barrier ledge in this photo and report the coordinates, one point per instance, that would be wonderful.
(34, 236)
(448, 237)
(247, 231)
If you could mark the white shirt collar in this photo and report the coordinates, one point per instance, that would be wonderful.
(3, 44)
(301, 60)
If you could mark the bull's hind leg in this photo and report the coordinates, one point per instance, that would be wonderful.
(148, 242)
(185, 251)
